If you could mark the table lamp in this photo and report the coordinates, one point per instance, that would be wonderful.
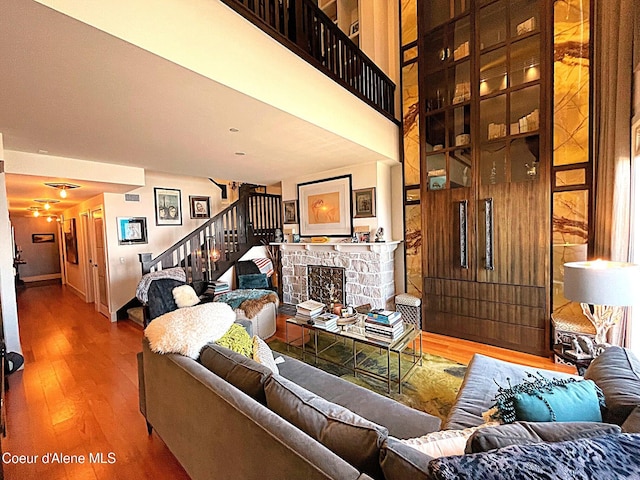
(602, 287)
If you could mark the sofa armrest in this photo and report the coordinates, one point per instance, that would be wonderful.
(142, 400)
(400, 461)
(480, 386)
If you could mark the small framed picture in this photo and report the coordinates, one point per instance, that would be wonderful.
(290, 209)
(364, 237)
(168, 206)
(200, 206)
(364, 202)
(132, 230)
(354, 28)
(43, 238)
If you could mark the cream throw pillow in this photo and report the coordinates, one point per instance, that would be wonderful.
(185, 296)
(444, 443)
(262, 354)
(187, 330)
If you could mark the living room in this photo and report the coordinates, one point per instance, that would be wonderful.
(376, 139)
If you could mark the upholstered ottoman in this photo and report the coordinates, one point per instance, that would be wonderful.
(264, 323)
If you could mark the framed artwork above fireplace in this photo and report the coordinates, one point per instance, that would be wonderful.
(325, 207)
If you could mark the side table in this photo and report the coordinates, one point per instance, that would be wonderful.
(580, 364)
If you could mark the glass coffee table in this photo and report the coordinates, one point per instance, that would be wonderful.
(356, 334)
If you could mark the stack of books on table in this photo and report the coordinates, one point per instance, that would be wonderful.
(216, 288)
(383, 325)
(309, 309)
(326, 320)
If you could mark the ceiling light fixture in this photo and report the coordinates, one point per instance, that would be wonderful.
(47, 202)
(63, 187)
(233, 130)
(240, 153)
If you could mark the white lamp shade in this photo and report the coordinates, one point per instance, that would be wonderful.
(602, 282)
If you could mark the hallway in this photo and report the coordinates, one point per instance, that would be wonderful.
(78, 396)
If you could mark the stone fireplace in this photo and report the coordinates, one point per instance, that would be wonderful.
(368, 271)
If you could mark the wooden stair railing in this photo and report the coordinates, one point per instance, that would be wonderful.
(250, 221)
(302, 27)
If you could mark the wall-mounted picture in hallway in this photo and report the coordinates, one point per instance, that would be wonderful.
(168, 206)
(200, 206)
(71, 240)
(43, 238)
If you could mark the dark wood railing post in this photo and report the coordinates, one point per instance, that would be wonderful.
(145, 258)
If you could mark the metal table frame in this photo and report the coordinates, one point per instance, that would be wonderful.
(357, 336)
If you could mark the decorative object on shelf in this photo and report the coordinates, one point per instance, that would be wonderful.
(277, 236)
(290, 211)
(43, 238)
(325, 207)
(364, 201)
(380, 235)
(602, 287)
(71, 240)
(168, 205)
(200, 206)
(132, 230)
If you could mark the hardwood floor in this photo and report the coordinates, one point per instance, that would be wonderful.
(78, 394)
(78, 391)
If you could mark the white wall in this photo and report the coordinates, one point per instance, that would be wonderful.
(375, 174)
(125, 269)
(43, 259)
(209, 38)
(7, 275)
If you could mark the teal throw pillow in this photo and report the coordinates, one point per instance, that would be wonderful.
(253, 280)
(550, 400)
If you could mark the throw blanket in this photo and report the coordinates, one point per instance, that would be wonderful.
(249, 301)
(264, 265)
(142, 290)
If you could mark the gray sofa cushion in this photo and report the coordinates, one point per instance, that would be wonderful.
(632, 423)
(350, 436)
(526, 433)
(613, 456)
(241, 372)
(400, 461)
(617, 372)
(401, 421)
(478, 390)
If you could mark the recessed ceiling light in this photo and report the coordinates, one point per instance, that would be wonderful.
(240, 153)
(233, 130)
(43, 152)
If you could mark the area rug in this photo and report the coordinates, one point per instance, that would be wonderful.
(431, 387)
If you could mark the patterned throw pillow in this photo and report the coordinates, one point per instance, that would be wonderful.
(550, 400)
(238, 340)
(263, 354)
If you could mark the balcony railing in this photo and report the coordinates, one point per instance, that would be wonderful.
(307, 31)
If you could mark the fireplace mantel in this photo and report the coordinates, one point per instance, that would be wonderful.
(369, 270)
(377, 247)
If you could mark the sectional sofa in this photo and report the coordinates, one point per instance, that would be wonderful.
(226, 416)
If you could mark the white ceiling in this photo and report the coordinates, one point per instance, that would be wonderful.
(74, 91)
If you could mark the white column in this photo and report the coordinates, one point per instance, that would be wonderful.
(7, 273)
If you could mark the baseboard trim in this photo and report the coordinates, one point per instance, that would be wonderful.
(39, 278)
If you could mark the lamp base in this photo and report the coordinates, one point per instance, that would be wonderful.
(603, 318)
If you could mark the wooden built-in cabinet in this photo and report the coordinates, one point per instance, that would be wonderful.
(485, 92)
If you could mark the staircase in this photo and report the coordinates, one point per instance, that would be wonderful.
(248, 222)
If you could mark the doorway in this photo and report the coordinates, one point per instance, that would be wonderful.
(98, 263)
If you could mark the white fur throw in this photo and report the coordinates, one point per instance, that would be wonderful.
(185, 296)
(188, 330)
